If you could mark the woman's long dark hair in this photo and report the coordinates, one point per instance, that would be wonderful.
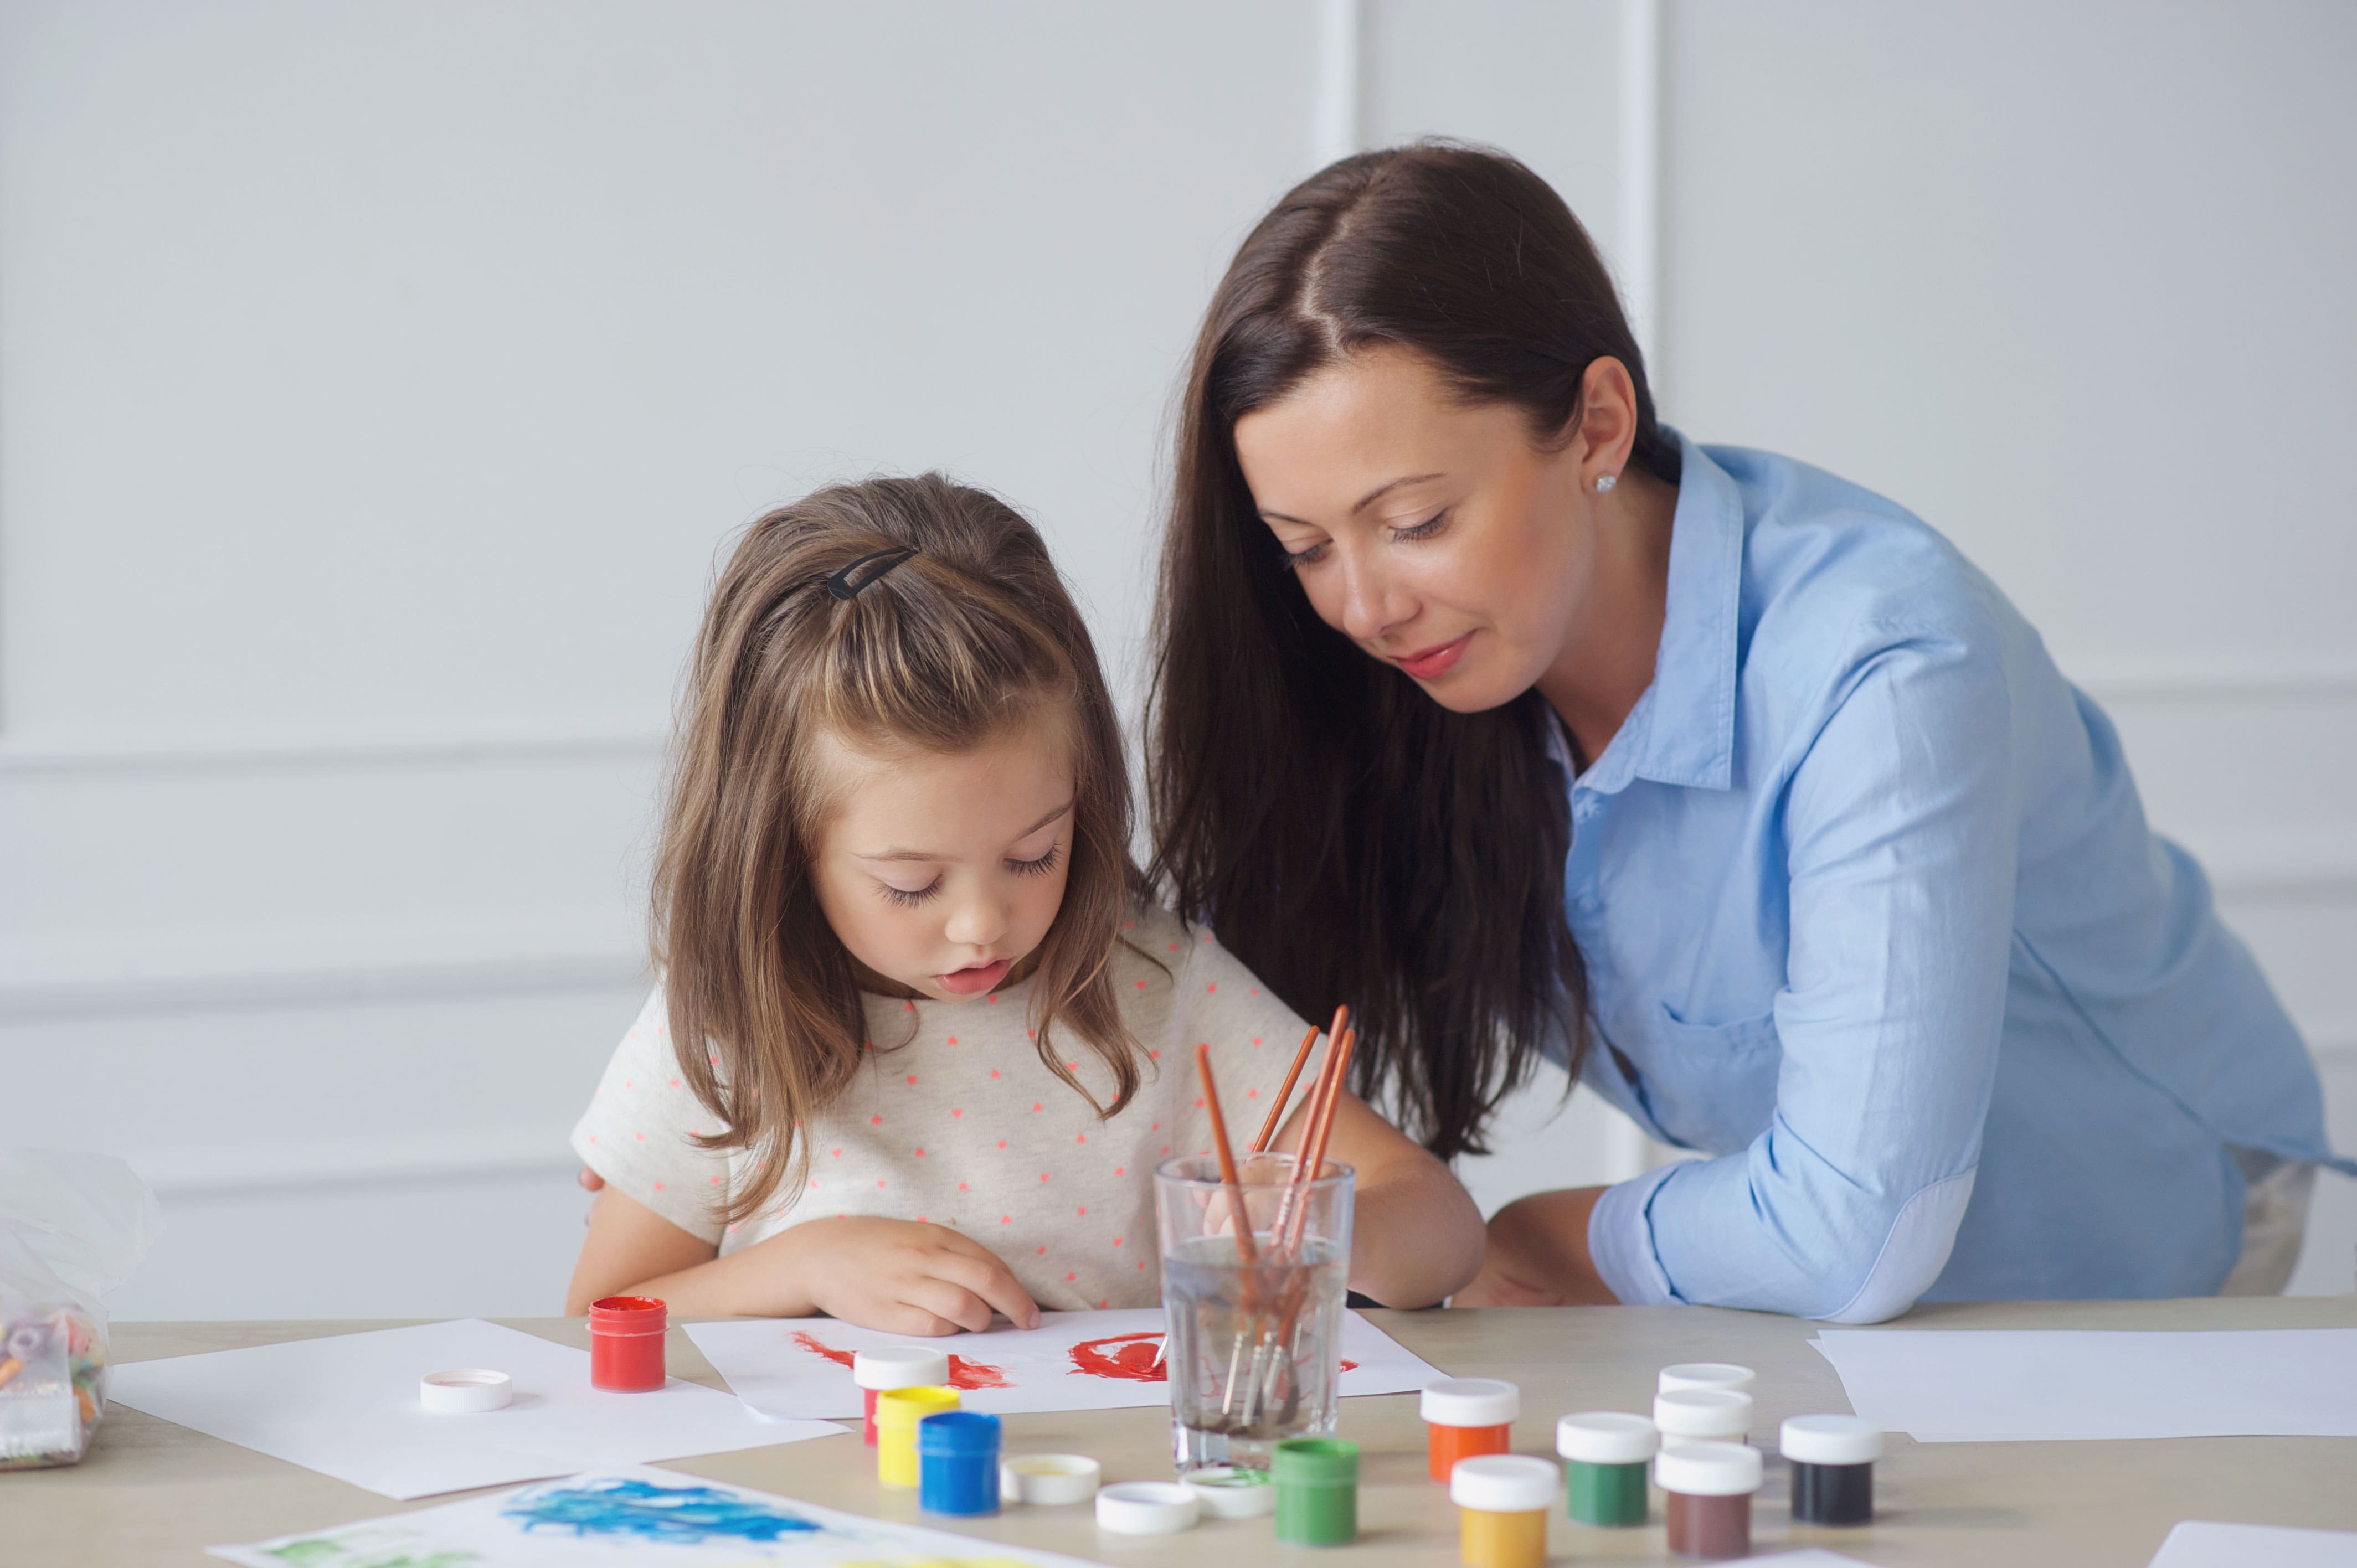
(1352, 840)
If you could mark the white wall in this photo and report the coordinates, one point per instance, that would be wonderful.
(376, 383)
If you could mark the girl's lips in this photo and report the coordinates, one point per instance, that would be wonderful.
(974, 979)
(1435, 662)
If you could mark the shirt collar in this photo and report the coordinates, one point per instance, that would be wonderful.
(1682, 730)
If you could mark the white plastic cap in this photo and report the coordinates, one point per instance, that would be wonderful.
(464, 1390)
(1706, 1375)
(1049, 1480)
(1709, 1469)
(1225, 1492)
(1607, 1437)
(1830, 1440)
(1146, 1508)
(899, 1366)
(1504, 1483)
(1702, 1412)
(1470, 1402)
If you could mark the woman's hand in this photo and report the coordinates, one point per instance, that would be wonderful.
(1538, 1256)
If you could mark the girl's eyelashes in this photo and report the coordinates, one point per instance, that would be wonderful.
(909, 898)
(1040, 867)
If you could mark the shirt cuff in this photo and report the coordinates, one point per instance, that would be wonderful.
(1621, 1241)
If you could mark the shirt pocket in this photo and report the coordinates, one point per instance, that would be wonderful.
(1714, 1085)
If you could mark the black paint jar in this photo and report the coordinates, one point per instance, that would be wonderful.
(1832, 1458)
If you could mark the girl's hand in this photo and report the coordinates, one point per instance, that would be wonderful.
(900, 1276)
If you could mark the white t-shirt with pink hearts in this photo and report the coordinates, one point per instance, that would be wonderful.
(954, 1119)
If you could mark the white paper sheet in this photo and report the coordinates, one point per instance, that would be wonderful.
(1988, 1386)
(347, 1406)
(631, 1518)
(2199, 1544)
(1075, 1361)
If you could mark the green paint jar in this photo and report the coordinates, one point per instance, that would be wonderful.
(1317, 1492)
(1605, 1478)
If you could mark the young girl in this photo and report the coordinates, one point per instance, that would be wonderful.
(919, 1044)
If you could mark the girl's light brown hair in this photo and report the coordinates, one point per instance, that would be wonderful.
(973, 634)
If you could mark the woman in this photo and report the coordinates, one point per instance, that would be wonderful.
(1523, 724)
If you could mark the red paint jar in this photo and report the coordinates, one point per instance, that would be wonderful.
(626, 1342)
(1467, 1417)
(888, 1367)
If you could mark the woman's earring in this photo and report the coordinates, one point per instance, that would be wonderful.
(1604, 483)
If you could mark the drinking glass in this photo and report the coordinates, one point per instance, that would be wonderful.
(1253, 1349)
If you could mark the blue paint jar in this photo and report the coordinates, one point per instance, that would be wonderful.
(957, 1462)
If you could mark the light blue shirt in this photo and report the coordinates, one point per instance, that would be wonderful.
(1872, 917)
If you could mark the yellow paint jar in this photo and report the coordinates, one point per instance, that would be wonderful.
(1503, 1502)
(897, 1411)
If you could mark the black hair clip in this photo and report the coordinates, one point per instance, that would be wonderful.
(841, 587)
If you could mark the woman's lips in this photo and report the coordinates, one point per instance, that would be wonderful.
(1435, 662)
(976, 978)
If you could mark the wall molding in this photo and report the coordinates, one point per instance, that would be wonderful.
(1640, 175)
(2322, 679)
(522, 741)
(240, 1170)
(1337, 122)
(239, 987)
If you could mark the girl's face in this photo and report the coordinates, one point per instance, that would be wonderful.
(939, 874)
(1426, 530)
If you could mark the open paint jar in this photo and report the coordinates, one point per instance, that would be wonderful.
(897, 1411)
(626, 1342)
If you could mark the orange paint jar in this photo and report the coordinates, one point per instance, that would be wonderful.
(1467, 1417)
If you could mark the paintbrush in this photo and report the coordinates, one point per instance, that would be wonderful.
(1283, 1094)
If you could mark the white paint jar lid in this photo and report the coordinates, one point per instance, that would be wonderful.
(1049, 1480)
(1146, 1508)
(464, 1390)
(1504, 1483)
(1607, 1437)
(899, 1366)
(1830, 1440)
(1702, 1412)
(1470, 1402)
(1706, 1375)
(1225, 1492)
(1709, 1469)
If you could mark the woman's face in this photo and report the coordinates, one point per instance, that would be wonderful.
(1426, 530)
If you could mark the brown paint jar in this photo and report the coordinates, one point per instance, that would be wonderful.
(1708, 1488)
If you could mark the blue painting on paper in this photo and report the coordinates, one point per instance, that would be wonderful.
(634, 1510)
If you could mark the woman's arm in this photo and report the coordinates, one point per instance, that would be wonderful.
(1416, 1234)
(1900, 827)
(900, 1276)
(1538, 1255)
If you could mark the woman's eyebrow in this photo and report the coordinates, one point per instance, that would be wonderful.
(936, 854)
(1364, 502)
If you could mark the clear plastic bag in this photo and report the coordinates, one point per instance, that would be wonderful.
(72, 1227)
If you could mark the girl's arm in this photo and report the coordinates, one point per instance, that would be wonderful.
(1415, 1236)
(896, 1275)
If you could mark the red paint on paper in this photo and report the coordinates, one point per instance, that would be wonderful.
(1131, 1358)
(964, 1374)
